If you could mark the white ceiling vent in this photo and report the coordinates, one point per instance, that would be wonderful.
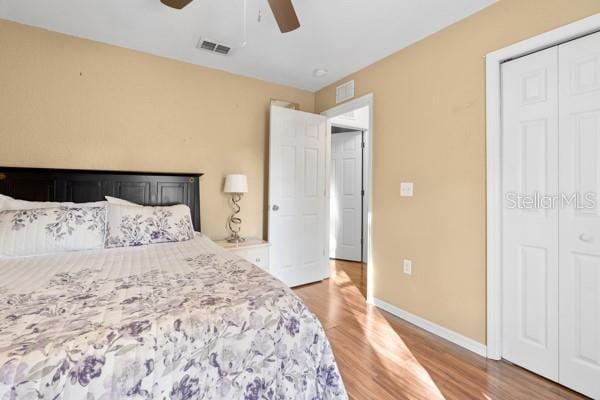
(214, 47)
(344, 92)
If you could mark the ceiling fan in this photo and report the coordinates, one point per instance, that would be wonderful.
(283, 10)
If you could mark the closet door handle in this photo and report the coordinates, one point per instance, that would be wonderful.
(275, 207)
(584, 237)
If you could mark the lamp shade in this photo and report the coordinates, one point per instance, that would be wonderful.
(236, 184)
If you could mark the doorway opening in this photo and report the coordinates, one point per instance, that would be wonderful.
(349, 158)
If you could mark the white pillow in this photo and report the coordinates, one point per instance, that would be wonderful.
(139, 225)
(115, 200)
(51, 230)
(8, 203)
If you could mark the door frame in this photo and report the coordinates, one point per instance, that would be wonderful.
(493, 63)
(360, 102)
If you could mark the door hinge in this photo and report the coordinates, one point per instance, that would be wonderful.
(362, 192)
(362, 145)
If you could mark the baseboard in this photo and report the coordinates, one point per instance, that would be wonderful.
(434, 328)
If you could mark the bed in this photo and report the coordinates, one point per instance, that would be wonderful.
(182, 320)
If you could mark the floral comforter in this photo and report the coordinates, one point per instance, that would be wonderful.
(169, 321)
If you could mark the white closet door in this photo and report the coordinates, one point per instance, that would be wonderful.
(530, 236)
(297, 196)
(579, 66)
(346, 196)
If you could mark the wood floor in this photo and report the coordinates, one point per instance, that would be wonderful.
(382, 357)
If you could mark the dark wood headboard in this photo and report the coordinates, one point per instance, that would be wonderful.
(81, 186)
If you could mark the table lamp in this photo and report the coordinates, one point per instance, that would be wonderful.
(236, 185)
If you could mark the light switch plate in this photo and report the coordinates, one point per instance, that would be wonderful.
(406, 189)
(408, 267)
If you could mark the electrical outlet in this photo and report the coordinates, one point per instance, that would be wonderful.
(408, 267)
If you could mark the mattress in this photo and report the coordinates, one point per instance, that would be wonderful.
(168, 321)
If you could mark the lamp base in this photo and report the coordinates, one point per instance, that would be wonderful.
(235, 221)
(235, 238)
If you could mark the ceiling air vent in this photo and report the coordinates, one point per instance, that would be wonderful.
(222, 49)
(214, 47)
(344, 92)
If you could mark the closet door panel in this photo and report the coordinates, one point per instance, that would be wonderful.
(579, 87)
(530, 233)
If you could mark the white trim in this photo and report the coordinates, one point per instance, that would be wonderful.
(494, 159)
(445, 333)
(366, 100)
(327, 195)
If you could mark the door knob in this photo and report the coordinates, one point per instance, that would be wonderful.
(275, 207)
(584, 237)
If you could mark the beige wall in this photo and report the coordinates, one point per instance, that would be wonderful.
(429, 127)
(73, 103)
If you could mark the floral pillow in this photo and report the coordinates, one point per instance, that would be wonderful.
(52, 230)
(116, 200)
(8, 203)
(137, 225)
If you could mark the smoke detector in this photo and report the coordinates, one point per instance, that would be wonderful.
(214, 47)
(320, 72)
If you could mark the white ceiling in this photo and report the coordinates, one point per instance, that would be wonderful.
(341, 36)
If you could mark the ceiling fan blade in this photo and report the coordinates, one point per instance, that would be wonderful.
(178, 4)
(285, 15)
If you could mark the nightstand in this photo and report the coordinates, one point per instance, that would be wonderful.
(254, 250)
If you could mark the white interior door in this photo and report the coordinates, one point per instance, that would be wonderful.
(530, 236)
(345, 238)
(298, 205)
(579, 66)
